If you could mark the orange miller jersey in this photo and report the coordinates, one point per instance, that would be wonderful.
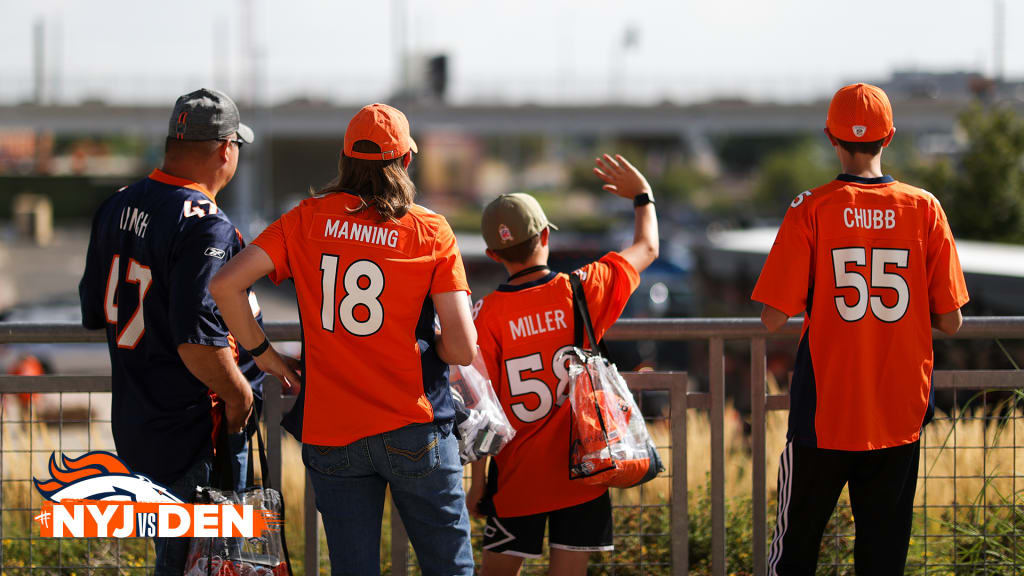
(869, 260)
(523, 332)
(363, 288)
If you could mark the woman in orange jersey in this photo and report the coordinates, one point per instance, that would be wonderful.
(371, 269)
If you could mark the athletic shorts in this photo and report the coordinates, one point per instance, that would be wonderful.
(585, 527)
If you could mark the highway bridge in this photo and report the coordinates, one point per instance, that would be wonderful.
(312, 120)
(311, 133)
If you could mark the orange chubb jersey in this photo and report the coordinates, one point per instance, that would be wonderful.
(524, 332)
(869, 260)
(363, 288)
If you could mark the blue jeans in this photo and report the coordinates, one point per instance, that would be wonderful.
(171, 553)
(422, 466)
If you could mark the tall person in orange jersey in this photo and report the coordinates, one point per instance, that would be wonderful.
(526, 328)
(872, 264)
(371, 269)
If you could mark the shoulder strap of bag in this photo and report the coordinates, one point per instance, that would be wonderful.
(265, 471)
(221, 474)
(252, 426)
(581, 318)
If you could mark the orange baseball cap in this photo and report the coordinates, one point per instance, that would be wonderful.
(383, 125)
(859, 113)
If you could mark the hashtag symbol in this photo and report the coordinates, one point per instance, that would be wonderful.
(43, 519)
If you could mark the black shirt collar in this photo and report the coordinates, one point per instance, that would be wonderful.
(531, 284)
(861, 180)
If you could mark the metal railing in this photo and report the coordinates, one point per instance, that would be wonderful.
(715, 332)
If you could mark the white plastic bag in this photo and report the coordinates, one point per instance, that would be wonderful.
(483, 427)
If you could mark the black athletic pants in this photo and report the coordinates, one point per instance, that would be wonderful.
(882, 485)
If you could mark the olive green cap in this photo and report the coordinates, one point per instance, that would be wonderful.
(512, 219)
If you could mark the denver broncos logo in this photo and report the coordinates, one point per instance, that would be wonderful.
(99, 476)
(505, 233)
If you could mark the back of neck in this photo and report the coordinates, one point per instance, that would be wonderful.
(189, 172)
(863, 166)
(531, 270)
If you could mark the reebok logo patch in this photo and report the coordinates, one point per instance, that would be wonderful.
(215, 253)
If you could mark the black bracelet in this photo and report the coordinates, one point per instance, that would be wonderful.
(261, 348)
(642, 200)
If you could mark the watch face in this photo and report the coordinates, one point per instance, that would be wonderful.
(642, 199)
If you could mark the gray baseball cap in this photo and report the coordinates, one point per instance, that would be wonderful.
(512, 219)
(206, 115)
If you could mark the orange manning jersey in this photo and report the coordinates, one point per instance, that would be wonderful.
(364, 288)
(524, 332)
(869, 260)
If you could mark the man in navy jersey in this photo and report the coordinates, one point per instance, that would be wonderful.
(154, 247)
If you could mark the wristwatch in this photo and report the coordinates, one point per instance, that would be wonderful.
(642, 199)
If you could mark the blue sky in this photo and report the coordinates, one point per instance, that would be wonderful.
(522, 51)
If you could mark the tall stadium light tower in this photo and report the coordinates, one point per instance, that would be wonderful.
(998, 41)
(254, 171)
(400, 34)
(39, 61)
(630, 39)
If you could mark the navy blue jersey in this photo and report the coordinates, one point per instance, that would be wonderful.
(154, 247)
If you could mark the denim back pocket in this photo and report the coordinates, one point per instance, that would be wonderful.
(325, 459)
(413, 450)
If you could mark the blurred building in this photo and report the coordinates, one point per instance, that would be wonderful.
(958, 86)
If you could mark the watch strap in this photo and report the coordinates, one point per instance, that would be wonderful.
(643, 199)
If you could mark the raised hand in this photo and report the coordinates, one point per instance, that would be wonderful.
(620, 177)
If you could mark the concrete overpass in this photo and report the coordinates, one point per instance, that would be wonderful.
(311, 133)
(306, 120)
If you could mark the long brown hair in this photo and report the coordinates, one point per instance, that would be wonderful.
(382, 184)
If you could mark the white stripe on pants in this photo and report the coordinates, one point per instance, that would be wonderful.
(782, 519)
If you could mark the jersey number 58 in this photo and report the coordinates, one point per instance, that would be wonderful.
(519, 386)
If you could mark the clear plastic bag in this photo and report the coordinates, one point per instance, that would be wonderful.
(609, 443)
(483, 427)
(262, 555)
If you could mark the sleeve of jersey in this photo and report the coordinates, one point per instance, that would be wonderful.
(786, 276)
(193, 313)
(947, 289)
(488, 347)
(608, 284)
(273, 241)
(449, 273)
(92, 288)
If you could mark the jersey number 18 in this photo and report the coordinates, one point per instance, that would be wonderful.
(357, 295)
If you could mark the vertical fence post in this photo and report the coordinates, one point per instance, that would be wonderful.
(311, 527)
(272, 420)
(757, 438)
(399, 544)
(716, 363)
(680, 515)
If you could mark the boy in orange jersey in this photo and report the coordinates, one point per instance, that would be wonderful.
(524, 330)
(877, 260)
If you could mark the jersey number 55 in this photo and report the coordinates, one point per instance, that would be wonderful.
(882, 277)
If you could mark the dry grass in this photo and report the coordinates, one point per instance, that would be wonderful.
(973, 462)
